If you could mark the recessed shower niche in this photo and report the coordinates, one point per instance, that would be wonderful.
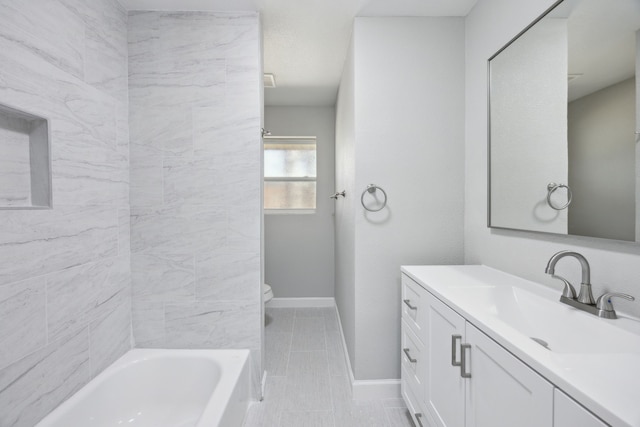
(25, 161)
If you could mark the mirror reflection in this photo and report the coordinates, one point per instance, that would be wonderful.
(564, 155)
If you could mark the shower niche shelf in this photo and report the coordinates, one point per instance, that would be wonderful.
(25, 160)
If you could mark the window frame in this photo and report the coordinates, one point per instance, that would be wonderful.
(272, 139)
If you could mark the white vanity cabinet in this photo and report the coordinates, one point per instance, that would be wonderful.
(489, 349)
(569, 413)
(484, 387)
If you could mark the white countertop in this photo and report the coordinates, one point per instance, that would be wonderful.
(596, 361)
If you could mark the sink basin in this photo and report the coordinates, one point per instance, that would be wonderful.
(548, 322)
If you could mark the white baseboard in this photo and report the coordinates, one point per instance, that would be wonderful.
(368, 389)
(301, 302)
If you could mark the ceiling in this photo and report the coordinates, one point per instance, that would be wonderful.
(306, 41)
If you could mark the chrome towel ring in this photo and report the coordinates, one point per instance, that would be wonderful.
(551, 187)
(371, 189)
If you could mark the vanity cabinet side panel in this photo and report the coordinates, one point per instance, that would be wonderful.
(503, 391)
(569, 413)
(444, 386)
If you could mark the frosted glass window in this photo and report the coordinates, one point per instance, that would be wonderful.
(289, 173)
(289, 195)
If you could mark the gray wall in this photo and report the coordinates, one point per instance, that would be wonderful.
(65, 302)
(602, 163)
(407, 138)
(614, 265)
(194, 83)
(299, 248)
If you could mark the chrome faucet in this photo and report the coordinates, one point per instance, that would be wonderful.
(585, 302)
(586, 295)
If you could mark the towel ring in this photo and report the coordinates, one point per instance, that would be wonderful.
(371, 188)
(551, 187)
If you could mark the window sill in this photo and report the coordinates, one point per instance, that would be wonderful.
(289, 211)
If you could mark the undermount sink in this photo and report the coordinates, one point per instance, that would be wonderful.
(549, 323)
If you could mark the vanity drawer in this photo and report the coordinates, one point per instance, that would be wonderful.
(413, 361)
(413, 306)
(415, 406)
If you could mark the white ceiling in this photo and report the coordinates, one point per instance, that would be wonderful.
(306, 41)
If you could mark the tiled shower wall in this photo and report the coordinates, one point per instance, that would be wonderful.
(194, 84)
(65, 292)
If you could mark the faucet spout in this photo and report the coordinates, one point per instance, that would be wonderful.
(585, 296)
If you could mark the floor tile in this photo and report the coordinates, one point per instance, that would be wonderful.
(260, 415)
(308, 393)
(279, 319)
(308, 362)
(277, 347)
(398, 417)
(341, 393)
(331, 321)
(307, 419)
(394, 403)
(335, 354)
(361, 414)
(308, 334)
(311, 311)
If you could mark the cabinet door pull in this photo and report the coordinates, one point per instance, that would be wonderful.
(418, 416)
(408, 302)
(454, 345)
(463, 360)
(406, 352)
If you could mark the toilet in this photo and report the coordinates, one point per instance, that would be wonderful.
(267, 292)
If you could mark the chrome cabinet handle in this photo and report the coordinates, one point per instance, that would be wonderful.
(463, 361)
(406, 352)
(454, 345)
(408, 302)
(418, 416)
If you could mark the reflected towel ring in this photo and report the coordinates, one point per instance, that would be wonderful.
(551, 187)
(371, 188)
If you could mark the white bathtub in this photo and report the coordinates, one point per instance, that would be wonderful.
(162, 388)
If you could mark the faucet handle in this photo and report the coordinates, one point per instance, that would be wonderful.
(569, 291)
(604, 306)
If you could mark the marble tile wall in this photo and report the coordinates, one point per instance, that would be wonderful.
(65, 275)
(194, 87)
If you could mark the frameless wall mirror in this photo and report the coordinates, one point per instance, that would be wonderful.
(564, 155)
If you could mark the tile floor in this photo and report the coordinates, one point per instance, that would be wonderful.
(307, 381)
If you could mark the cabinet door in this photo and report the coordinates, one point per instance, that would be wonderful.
(503, 391)
(444, 387)
(569, 413)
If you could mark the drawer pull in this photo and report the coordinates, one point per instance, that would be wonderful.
(406, 352)
(408, 302)
(418, 416)
(463, 360)
(454, 346)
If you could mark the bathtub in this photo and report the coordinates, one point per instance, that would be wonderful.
(162, 388)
